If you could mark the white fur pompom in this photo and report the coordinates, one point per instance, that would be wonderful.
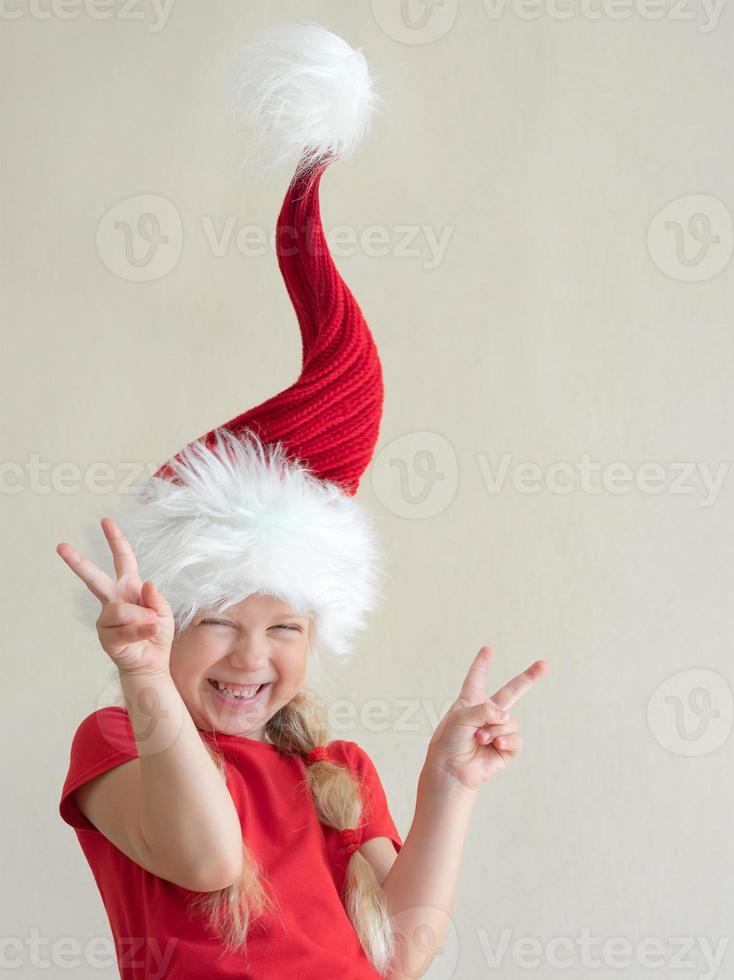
(305, 93)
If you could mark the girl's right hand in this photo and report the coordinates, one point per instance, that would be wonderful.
(136, 625)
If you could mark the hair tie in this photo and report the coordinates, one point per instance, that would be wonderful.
(351, 839)
(319, 754)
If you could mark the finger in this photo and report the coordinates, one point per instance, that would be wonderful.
(473, 688)
(94, 578)
(122, 553)
(489, 733)
(506, 728)
(117, 614)
(131, 632)
(509, 693)
(480, 715)
(116, 639)
(151, 597)
(510, 744)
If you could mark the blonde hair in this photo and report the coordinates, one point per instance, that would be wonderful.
(297, 728)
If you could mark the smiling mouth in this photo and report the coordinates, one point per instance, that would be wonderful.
(237, 694)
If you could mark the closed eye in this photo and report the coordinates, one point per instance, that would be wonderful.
(282, 626)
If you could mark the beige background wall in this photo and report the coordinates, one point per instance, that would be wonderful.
(578, 170)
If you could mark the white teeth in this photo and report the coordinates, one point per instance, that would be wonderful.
(248, 693)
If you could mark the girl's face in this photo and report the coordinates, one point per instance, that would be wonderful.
(257, 641)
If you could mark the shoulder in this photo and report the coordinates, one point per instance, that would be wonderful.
(112, 718)
(103, 740)
(105, 730)
(352, 754)
(342, 750)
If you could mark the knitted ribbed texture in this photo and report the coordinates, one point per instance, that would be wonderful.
(329, 418)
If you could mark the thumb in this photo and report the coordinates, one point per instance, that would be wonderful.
(153, 599)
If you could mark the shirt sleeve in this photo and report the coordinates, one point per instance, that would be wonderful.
(376, 818)
(104, 739)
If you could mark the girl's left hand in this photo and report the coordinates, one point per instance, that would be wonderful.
(472, 742)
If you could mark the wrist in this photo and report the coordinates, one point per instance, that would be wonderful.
(150, 672)
(156, 710)
(436, 781)
(139, 685)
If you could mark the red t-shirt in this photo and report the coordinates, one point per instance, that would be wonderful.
(304, 860)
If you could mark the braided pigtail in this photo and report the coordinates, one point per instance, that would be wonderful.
(299, 728)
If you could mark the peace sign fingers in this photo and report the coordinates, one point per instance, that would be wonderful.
(122, 553)
(519, 685)
(97, 581)
(472, 690)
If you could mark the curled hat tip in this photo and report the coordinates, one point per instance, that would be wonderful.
(303, 94)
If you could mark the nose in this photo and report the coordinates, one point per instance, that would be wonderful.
(250, 654)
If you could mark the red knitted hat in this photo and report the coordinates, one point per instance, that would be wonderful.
(265, 502)
(330, 417)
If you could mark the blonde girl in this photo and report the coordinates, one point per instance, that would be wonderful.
(228, 834)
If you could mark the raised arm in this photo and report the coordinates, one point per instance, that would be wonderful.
(169, 810)
(474, 740)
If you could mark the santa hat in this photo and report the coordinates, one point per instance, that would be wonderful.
(265, 502)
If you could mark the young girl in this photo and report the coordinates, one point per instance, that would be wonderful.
(228, 835)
